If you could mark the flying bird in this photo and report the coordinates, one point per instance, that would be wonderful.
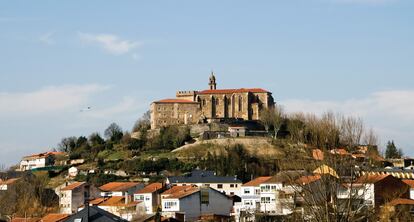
(85, 109)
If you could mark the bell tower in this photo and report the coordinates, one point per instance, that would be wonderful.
(212, 83)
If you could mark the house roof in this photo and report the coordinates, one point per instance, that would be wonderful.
(256, 182)
(95, 215)
(340, 151)
(371, 178)
(22, 219)
(231, 91)
(409, 182)
(73, 186)
(9, 181)
(325, 169)
(178, 192)
(43, 155)
(174, 101)
(401, 201)
(317, 154)
(200, 176)
(151, 188)
(114, 202)
(305, 180)
(55, 217)
(118, 186)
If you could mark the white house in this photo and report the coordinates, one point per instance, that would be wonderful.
(120, 189)
(151, 196)
(250, 194)
(225, 184)
(38, 160)
(411, 184)
(72, 196)
(194, 202)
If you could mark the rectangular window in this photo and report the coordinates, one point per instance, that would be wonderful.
(246, 191)
(265, 200)
(232, 185)
(219, 186)
(169, 205)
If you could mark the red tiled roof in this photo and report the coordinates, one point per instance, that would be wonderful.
(45, 154)
(180, 193)
(230, 91)
(9, 181)
(118, 186)
(409, 182)
(317, 154)
(371, 178)
(117, 202)
(73, 186)
(256, 182)
(151, 188)
(304, 180)
(55, 217)
(175, 189)
(401, 201)
(22, 219)
(175, 101)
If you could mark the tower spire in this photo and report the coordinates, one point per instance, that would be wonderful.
(212, 83)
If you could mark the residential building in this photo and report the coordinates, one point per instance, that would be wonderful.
(151, 196)
(250, 199)
(194, 202)
(94, 214)
(200, 178)
(72, 196)
(375, 190)
(122, 206)
(411, 184)
(38, 160)
(120, 189)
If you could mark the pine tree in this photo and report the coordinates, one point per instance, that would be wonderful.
(392, 152)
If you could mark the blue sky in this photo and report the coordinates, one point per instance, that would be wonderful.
(348, 56)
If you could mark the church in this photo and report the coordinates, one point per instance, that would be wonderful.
(210, 105)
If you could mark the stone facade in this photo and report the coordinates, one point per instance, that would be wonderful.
(192, 107)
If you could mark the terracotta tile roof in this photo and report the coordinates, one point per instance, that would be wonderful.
(97, 201)
(175, 189)
(118, 186)
(22, 219)
(317, 154)
(180, 193)
(175, 101)
(325, 169)
(371, 178)
(151, 188)
(73, 186)
(409, 182)
(231, 91)
(9, 181)
(304, 180)
(42, 155)
(55, 217)
(401, 201)
(340, 151)
(116, 202)
(285, 177)
(256, 182)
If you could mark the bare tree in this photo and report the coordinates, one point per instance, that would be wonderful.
(272, 117)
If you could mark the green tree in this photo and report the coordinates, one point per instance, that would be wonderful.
(114, 132)
(392, 152)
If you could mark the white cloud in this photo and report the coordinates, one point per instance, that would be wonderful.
(110, 43)
(46, 38)
(46, 100)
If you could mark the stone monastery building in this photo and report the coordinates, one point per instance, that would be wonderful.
(193, 107)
